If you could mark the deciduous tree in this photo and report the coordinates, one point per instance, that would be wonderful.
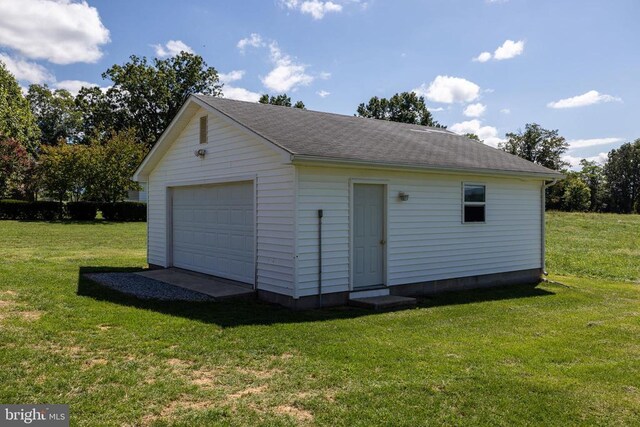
(405, 107)
(14, 161)
(55, 113)
(622, 172)
(538, 145)
(16, 119)
(111, 164)
(282, 100)
(63, 170)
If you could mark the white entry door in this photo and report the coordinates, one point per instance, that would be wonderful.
(213, 230)
(368, 235)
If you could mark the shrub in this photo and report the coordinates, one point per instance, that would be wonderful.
(12, 209)
(43, 210)
(19, 209)
(124, 211)
(82, 211)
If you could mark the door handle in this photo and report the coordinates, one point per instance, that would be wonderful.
(382, 242)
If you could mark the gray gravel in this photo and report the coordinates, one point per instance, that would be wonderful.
(145, 288)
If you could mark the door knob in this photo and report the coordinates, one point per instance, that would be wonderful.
(382, 242)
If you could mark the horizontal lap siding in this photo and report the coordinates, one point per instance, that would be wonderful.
(231, 152)
(426, 239)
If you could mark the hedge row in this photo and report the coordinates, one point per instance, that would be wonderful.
(124, 211)
(79, 211)
(19, 209)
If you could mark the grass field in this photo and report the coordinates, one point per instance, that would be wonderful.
(564, 353)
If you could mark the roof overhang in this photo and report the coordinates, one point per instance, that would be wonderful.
(305, 160)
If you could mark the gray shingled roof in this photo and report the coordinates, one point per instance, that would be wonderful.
(348, 138)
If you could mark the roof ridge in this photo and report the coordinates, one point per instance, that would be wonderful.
(329, 113)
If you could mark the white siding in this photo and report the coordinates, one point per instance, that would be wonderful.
(231, 151)
(426, 239)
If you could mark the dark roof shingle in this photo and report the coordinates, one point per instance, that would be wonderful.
(348, 138)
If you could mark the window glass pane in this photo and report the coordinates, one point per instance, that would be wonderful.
(474, 193)
(474, 214)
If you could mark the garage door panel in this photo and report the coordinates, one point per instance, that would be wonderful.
(213, 230)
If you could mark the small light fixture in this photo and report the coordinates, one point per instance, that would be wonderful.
(403, 196)
(200, 153)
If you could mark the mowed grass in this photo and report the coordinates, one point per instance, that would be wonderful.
(560, 354)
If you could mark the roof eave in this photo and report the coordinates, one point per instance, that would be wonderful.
(301, 159)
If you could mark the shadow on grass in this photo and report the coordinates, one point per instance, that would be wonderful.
(232, 313)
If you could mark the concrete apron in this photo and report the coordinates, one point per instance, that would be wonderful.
(215, 287)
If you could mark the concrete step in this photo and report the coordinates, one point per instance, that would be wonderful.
(369, 293)
(384, 302)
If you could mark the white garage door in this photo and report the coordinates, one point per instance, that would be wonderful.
(213, 230)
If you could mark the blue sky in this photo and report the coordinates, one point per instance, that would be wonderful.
(484, 66)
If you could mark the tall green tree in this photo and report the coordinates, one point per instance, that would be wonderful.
(405, 107)
(577, 195)
(282, 100)
(55, 113)
(538, 145)
(112, 163)
(16, 119)
(622, 173)
(592, 174)
(63, 170)
(145, 95)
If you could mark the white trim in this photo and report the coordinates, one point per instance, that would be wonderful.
(385, 225)
(304, 160)
(464, 203)
(212, 181)
(255, 233)
(296, 192)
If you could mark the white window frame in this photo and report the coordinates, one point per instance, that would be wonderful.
(464, 203)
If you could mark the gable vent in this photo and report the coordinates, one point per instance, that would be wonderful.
(203, 130)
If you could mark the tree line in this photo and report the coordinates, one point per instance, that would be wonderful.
(87, 146)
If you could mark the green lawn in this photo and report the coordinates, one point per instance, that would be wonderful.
(563, 353)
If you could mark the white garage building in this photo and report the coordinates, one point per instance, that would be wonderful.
(236, 190)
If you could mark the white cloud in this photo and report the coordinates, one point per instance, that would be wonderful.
(254, 40)
(232, 92)
(231, 76)
(505, 111)
(509, 49)
(323, 93)
(488, 134)
(448, 90)
(324, 75)
(287, 74)
(483, 57)
(436, 109)
(60, 31)
(589, 98)
(74, 86)
(240, 94)
(593, 142)
(171, 48)
(26, 71)
(574, 161)
(474, 110)
(316, 8)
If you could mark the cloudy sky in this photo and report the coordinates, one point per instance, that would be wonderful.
(484, 66)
